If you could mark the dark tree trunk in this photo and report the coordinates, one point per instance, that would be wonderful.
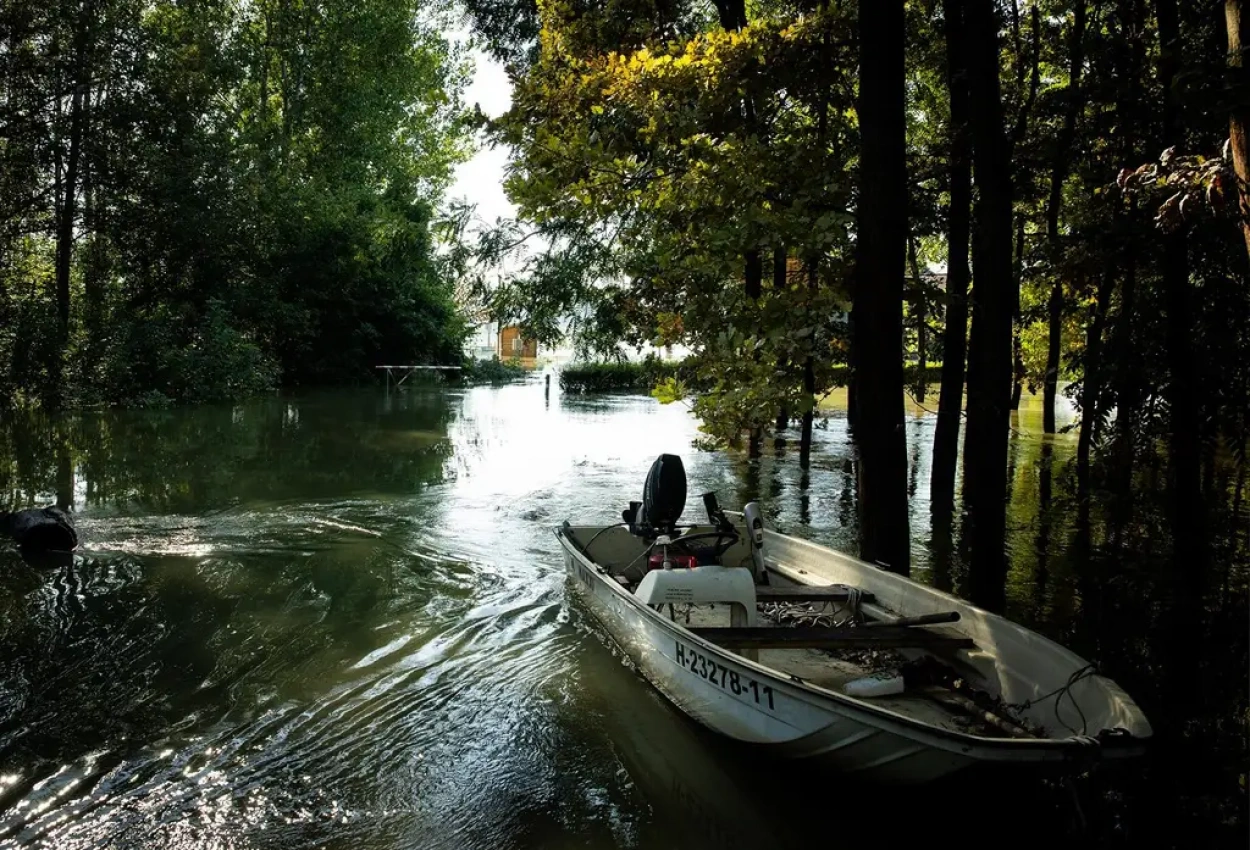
(731, 13)
(1182, 593)
(882, 248)
(1021, 126)
(779, 284)
(1131, 13)
(64, 475)
(1017, 350)
(1091, 388)
(1238, 28)
(954, 338)
(1188, 514)
(754, 287)
(1050, 386)
(919, 303)
(990, 350)
(65, 233)
(805, 436)
(1125, 384)
(852, 383)
(809, 380)
(754, 275)
(1058, 174)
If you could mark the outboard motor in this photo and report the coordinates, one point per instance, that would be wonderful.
(663, 499)
(39, 530)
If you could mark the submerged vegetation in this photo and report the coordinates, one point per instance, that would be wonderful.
(201, 200)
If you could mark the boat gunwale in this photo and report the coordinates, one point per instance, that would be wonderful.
(1037, 749)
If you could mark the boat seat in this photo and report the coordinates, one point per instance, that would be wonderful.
(838, 637)
(808, 593)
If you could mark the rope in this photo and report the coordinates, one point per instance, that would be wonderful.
(854, 601)
(586, 548)
(1059, 693)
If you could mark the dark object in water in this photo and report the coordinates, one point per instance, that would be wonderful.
(38, 530)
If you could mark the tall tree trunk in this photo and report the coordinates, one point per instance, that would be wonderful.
(779, 284)
(954, 337)
(1018, 132)
(64, 474)
(1050, 385)
(1017, 350)
(881, 255)
(65, 231)
(732, 16)
(1182, 593)
(1131, 13)
(754, 287)
(922, 337)
(989, 354)
(809, 379)
(1237, 25)
(1188, 513)
(1125, 384)
(1091, 387)
(1074, 102)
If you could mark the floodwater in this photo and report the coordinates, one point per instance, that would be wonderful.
(339, 620)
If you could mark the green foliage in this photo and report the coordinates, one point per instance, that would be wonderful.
(656, 148)
(654, 154)
(493, 371)
(254, 201)
(619, 376)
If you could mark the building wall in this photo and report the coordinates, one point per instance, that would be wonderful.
(513, 345)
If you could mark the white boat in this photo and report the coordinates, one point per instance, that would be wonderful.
(696, 608)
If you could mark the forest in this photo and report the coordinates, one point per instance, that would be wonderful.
(739, 178)
(201, 200)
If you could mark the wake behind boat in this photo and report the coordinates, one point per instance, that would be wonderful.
(776, 641)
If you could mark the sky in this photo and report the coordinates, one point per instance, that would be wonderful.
(480, 180)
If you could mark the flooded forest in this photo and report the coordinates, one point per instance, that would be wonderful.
(960, 288)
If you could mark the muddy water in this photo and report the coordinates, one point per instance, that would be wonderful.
(339, 620)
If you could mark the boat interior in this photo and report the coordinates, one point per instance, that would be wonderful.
(844, 625)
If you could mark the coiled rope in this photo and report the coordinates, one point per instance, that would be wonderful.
(1088, 671)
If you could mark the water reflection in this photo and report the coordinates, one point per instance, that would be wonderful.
(339, 620)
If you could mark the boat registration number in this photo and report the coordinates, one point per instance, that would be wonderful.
(738, 684)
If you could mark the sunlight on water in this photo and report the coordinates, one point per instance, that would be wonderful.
(340, 620)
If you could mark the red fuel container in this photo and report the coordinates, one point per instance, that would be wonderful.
(679, 562)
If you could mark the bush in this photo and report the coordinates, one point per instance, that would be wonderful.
(627, 376)
(493, 371)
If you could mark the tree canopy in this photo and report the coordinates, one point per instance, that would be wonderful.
(203, 199)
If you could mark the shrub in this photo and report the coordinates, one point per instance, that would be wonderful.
(493, 371)
(625, 376)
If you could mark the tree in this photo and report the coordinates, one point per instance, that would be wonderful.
(990, 344)
(1188, 514)
(684, 162)
(954, 339)
(1058, 174)
(201, 200)
(1238, 32)
(880, 263)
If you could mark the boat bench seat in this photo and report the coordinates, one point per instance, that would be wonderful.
(839, 637)
(807, 593)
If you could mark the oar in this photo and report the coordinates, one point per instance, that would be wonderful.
(921, 620)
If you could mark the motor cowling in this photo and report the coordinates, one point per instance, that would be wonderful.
(36, 530)
(663, 496)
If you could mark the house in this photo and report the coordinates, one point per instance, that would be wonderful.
(490, 340)
(512, 345)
